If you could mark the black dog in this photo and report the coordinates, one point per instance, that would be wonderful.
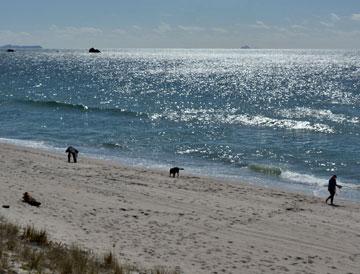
(175, 170)
(71, 151)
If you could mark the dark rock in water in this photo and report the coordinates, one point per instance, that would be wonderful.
(93, 50)
(6, 206)
(10, 50)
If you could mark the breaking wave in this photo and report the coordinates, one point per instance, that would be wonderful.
(307, 179)
(319, 114)
(112, 145)
(81, 107)
(53, 104)
(268, 170)
(214, 116)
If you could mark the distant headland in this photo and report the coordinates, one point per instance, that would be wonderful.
(21, 47)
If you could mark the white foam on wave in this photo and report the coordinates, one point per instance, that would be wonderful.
(307, 179)
(25, 143)
(229, 117)
(189, 151)
(320, 114)
(32, 144)
(264, 121)
(303, 178)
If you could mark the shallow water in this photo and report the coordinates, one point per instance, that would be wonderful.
(285, 118)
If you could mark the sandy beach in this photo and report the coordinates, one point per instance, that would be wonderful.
(195, 224)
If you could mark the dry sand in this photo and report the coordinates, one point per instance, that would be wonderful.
(201, 225)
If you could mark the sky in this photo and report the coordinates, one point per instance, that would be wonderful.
(181, 23)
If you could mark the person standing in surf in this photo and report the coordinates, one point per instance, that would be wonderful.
(332, 188)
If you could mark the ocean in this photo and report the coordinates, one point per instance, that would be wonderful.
(278, 118)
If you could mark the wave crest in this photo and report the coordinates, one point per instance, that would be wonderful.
(51, 104)
(319, 114)
(112, 145)
(209, 116)
(81, 107)
(268, 170)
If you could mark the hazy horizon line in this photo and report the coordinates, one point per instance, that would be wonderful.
(199, 48)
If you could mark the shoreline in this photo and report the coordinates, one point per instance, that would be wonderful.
(351, 194)
(202, 225)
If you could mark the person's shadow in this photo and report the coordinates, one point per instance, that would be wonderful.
(334, 205)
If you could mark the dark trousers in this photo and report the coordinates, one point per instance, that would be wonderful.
(332, 194)
(73, 155)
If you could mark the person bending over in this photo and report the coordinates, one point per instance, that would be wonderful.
(71, 151)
